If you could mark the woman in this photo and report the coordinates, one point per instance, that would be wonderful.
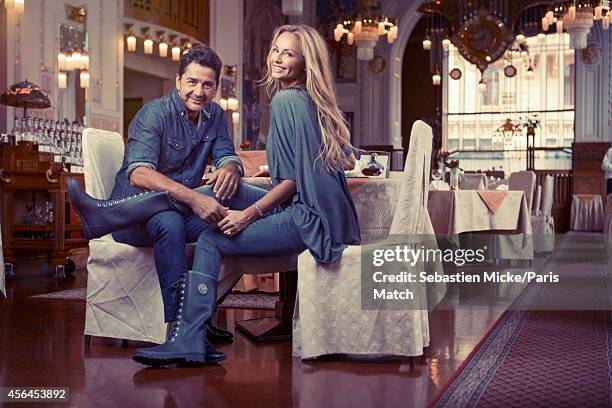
(309, 206)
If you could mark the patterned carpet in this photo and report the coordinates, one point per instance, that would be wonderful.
(536, 357)
(264, 301)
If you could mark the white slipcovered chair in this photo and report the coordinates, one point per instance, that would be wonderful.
(328, 317)
(123, 295)
(542, 222)
(473, 181)
(537, 201)
(526, 181)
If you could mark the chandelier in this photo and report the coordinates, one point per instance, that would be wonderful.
(364, 31)
(577, 18)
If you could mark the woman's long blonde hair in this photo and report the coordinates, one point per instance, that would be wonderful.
(319, 83)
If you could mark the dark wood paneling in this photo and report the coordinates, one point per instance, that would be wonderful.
(588, 177)
(190, 17)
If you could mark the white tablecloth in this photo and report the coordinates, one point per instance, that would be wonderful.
(455, 212)
(587, 212)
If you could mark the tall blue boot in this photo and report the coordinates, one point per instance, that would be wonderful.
(101, 217)
(198, 295)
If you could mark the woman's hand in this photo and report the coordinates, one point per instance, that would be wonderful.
(234, 222)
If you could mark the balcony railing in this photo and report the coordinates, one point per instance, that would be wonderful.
(190, 17)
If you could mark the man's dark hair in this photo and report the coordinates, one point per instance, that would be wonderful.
(203, 56)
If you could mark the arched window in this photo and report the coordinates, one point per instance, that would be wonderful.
(539, 83)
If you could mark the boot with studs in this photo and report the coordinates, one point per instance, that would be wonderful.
(198, 295)
(101, 217)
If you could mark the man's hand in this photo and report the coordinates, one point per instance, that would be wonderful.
(226, 180)
(207, 208)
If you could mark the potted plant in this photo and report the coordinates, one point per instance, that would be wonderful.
(530, 123)
(246, 145)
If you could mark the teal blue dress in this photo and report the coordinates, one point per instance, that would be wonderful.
(322, 207)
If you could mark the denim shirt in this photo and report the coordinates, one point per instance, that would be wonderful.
(162, 138)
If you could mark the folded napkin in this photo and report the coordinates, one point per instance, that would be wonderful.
(356, 183)
(492, 198)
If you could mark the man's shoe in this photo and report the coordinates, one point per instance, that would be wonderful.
(214, 333)
(198, 295)
(101, 217)
(212, 355)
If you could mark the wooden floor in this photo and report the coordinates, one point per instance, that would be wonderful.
(41, 344)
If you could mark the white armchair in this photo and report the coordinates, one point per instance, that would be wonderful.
(123, 295)
(328, 318)
(526, 181)
(542, 222)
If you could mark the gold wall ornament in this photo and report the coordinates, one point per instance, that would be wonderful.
(483, 39)
(481, 30)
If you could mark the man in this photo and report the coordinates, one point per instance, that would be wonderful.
(170, 141)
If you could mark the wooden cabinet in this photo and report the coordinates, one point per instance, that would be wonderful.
(30, 181)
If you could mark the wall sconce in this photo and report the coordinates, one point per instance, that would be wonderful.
(235, 118)
(163, 49)
(175, 50)
(84, 79)
(131, 39)
(61, 61)
(436, 78)
(223, 103)
(163, 45)
(148, 46)
(69, 64)
(148, 42)
(176, 53)
(84, 61)
(19, 6)
(62, 80)
(76, 59)
(232, 104)
(131, 43)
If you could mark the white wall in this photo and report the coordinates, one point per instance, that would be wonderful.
(33, 44)
(594, 90)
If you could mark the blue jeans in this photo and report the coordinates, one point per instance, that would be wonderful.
(273, 235)
(169, 231)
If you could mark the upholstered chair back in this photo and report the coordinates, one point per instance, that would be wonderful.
(547, 195)
(411, 207)
(524, 180)
(102, 158)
